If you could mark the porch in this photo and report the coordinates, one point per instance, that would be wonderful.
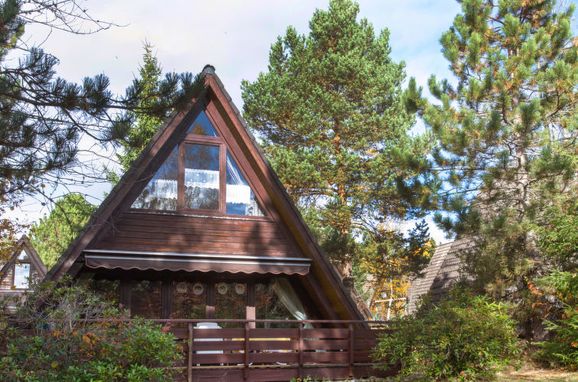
(276, 350)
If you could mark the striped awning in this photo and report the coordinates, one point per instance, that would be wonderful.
(190, 262)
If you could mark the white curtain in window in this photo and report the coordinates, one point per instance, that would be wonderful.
(163, 189)
(289, 298)
(201, 178)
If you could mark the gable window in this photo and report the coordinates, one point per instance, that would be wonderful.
(240, 197)
(22, 272)
(161, 191)
(202, 178)
(200, 174)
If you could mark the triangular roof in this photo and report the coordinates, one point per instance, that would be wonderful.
(25, 245)
(322, 282)
(443, 270)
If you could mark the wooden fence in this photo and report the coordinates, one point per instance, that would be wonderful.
(274, 350)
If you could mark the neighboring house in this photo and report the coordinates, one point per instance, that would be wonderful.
(200, 228)
(443, 271)
(23, 268)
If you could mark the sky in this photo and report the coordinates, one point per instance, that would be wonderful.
(232, 35)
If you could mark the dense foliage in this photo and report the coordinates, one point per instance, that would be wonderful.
(64, 347)
(384, 269)
(331, 117)
(562, 348)
(52, 235)
(506, 130)
(463, 338)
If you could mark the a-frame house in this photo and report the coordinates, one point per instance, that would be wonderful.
(22, 269)
(201, 228)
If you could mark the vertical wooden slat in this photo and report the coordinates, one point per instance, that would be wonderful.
(181, 177)
(251, 313)
(125, 292)
(300, 348)
(211, 299)
(246, 352)
(166, 298)
(351, 349)
(223, 178)
(190, 360)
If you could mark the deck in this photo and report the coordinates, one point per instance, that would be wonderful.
(276, 350)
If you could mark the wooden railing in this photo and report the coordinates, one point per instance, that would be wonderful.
(277, 350)
(273, 350)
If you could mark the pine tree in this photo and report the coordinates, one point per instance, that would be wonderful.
(43, 117)
(145, 125)
(507, 130)
(330, 113)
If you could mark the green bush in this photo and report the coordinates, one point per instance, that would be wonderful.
(65, 347)
(462, 338)
(562, 348)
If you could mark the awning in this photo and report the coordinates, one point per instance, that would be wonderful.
(189, 262)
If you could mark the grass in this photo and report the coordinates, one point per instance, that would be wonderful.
(529, 373)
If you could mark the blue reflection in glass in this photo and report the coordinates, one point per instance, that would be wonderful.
(202, 126)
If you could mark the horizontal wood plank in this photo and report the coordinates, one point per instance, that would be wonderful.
(325, 345)
(274, 357)
(216, 359)
(199, 333)
(325, 333)
(273, 345)
(326, 357)
(279, 333)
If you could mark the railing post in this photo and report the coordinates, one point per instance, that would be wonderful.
(300, 349)
(351, 349)
(190, 360)
(246, 352)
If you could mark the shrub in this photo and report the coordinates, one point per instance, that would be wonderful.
(562, 348)
(463, 338)
(64, 346)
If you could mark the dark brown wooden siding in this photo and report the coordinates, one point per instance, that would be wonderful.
(6, 282)
(137, 231)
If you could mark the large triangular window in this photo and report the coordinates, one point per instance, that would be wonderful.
(202, 126)
(240, 197)
(161, 191)
(200, 174)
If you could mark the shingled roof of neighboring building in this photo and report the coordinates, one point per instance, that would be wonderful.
(443, 270)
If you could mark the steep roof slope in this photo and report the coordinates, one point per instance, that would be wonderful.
(443, 270)
(323, 282)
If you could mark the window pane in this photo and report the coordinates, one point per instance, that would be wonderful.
(23, 255)
(145, 299)
(231, 301)
(21, 276)
(161, 191)
(188, 300)
(268, 306)
(240, 197)
(202, 126)
(201, 177)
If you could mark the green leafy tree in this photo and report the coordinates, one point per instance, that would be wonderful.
(506, 132)
(81, 335)
(145, 125)
(52, 235)
(562, 348)
(42, 116)
(331, 117)
(388, 259)
(462, 338)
